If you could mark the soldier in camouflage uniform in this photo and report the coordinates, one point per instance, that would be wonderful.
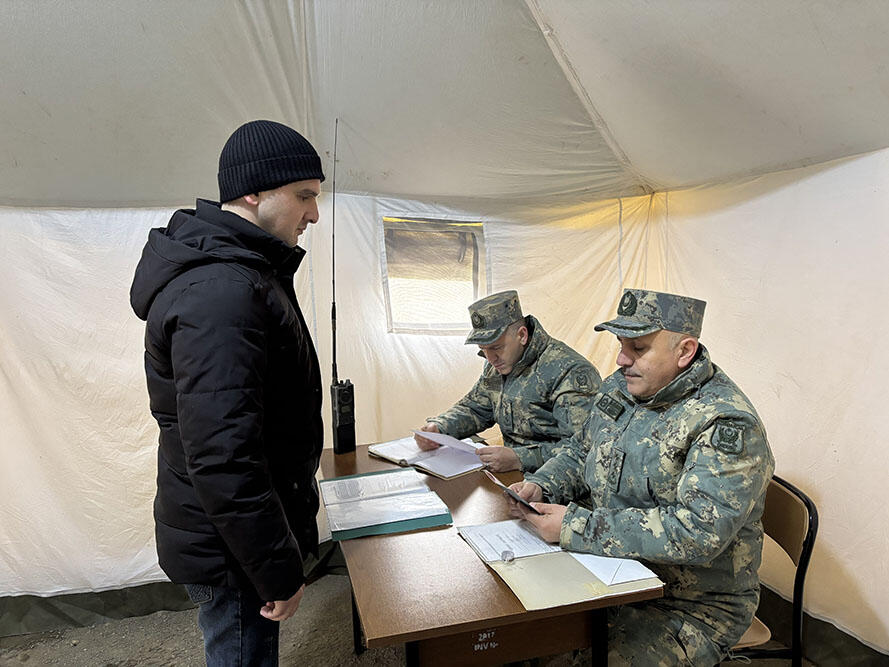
(676, 462)
(537, 389)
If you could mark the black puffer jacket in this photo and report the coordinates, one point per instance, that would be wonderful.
(235, 387)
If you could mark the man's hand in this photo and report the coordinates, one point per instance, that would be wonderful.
(549, 522)
(499, 459)
(527, 490)
(425, 443)
(281, 610)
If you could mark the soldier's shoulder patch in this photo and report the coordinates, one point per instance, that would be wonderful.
(728, 437)
(583, 379)
(610, 406)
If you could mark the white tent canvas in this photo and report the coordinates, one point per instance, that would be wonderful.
(731, 151)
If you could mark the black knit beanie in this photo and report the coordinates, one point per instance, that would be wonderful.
(264, 155)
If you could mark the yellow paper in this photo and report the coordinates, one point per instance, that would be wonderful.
(555, 579)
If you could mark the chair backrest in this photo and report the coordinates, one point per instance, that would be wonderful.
(790, 518)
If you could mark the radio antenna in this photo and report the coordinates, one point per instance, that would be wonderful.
(333, 254)
(342, 394)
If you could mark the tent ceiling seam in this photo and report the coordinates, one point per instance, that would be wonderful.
(620, 244)
(570, 73)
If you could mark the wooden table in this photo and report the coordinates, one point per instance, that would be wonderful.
(429, 590)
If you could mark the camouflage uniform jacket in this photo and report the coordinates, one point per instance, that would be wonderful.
(541, 403)
(677, 481)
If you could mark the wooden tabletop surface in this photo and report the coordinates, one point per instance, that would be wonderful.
(430, 583)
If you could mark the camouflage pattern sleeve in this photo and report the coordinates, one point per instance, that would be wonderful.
(572, 400)
(562, 476)
(475, 411)
(727, 469)
(530, 458)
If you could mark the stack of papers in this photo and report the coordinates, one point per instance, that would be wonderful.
(381, 503)
(542, 575)
(452, 459)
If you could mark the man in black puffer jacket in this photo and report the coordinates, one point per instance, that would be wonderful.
(235, 387)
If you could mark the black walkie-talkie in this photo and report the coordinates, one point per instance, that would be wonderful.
(342, 393)
(342, 397)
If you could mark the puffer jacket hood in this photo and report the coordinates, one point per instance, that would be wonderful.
(203, 235)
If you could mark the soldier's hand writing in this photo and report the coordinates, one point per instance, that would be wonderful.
(499, 459)
(527, 490)
(281, 610)
(549, 522)
(425, 443)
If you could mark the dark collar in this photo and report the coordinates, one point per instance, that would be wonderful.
(282, 257)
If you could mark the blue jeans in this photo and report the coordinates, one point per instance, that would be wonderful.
(235, 635)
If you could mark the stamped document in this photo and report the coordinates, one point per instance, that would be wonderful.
(516, 536)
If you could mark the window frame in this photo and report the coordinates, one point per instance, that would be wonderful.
(481, 274)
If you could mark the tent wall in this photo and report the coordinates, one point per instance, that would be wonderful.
(76, 482)
(790, 265)
(793, 266)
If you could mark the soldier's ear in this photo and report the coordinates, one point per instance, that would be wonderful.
(687, 350)
(523, 335)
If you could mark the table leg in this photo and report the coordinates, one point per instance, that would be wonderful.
(412, 654)
(600, 638)
(357, 642)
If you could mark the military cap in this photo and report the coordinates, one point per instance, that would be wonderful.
(641, 312)
(490, 317)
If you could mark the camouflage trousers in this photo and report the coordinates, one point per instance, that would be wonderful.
(644, 635)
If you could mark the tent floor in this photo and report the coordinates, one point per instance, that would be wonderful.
(319, 634)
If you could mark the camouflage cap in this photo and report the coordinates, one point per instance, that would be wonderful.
(490, 317)
(641, 312)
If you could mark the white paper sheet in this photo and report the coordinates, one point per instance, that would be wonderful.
(450, 463)
(444, 439)
(403, 449)
(490, 540)
(444, 461)
(613, 570)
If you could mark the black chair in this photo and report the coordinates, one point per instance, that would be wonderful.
(791, 519)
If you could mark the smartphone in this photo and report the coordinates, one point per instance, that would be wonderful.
(521, 501)
(512, 494)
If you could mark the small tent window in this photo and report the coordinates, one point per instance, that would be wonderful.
(432, 270)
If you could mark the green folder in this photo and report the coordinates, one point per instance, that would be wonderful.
(391, 527)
